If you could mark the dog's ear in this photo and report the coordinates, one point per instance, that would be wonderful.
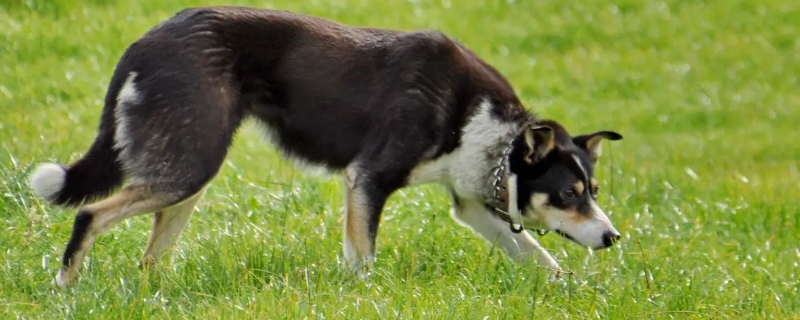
(539, 141)
(592, 142)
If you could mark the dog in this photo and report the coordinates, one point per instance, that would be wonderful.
(384, 109)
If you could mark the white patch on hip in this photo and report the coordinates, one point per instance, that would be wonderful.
(128, 95)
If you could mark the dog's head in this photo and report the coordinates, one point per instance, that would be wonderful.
(556, 188)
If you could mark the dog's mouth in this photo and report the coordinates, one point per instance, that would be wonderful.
(565, 235)
(607, 241)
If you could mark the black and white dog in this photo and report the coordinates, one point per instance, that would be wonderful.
(385, 108)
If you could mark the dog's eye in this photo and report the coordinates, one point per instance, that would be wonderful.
(568, 194)
(594, 191)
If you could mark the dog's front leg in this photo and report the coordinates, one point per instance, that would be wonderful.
(363, 205)
(519, 246)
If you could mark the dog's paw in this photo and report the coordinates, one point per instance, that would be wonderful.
(364, 274)
(360, 268)
(147, 263)
(556, 276)
(63, 279)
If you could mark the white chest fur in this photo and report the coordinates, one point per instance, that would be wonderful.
(468, 169)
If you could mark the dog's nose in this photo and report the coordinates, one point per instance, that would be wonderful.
(609, 238)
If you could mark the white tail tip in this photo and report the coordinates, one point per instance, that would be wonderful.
(48, 180)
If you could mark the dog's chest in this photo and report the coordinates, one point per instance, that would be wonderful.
(468, 170)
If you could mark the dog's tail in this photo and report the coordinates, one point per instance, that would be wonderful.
(94, 175)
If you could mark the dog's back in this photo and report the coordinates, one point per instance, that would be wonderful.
(323, 90)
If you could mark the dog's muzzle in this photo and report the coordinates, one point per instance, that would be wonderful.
(609, 238)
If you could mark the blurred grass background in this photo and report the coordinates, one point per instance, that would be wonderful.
(704, 186)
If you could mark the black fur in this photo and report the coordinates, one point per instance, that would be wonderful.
(98, 172)
(79, 229)
(185, 119)
(330, 94)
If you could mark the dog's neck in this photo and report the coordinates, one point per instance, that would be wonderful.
(503, 181)
(502, 203)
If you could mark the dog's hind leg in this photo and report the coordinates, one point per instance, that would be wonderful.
(95, 219)
(171, 141)
(167, 227)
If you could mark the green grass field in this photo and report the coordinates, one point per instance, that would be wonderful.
(704, 187)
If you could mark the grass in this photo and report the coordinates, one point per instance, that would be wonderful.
(704, 186)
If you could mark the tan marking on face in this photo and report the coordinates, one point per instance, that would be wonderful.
(578, 186)
(539, 200)
(577, 217)
(594, 184)
(544, 211)
(539, 204)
